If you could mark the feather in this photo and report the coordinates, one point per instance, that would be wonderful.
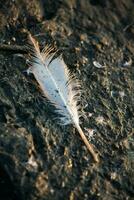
(58, 86)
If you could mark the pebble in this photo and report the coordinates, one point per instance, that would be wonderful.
(98, 65)
(127, 63)
(113, 175)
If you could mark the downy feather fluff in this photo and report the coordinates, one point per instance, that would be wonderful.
(58, 86)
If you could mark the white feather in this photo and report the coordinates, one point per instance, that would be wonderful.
(58, 86)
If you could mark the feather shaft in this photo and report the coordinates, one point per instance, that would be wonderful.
(88, 144)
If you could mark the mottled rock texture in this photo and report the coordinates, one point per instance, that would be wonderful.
(40, 160)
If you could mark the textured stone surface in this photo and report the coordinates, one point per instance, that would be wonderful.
(39, 159)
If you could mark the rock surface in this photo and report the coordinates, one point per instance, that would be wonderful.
(40, 160)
